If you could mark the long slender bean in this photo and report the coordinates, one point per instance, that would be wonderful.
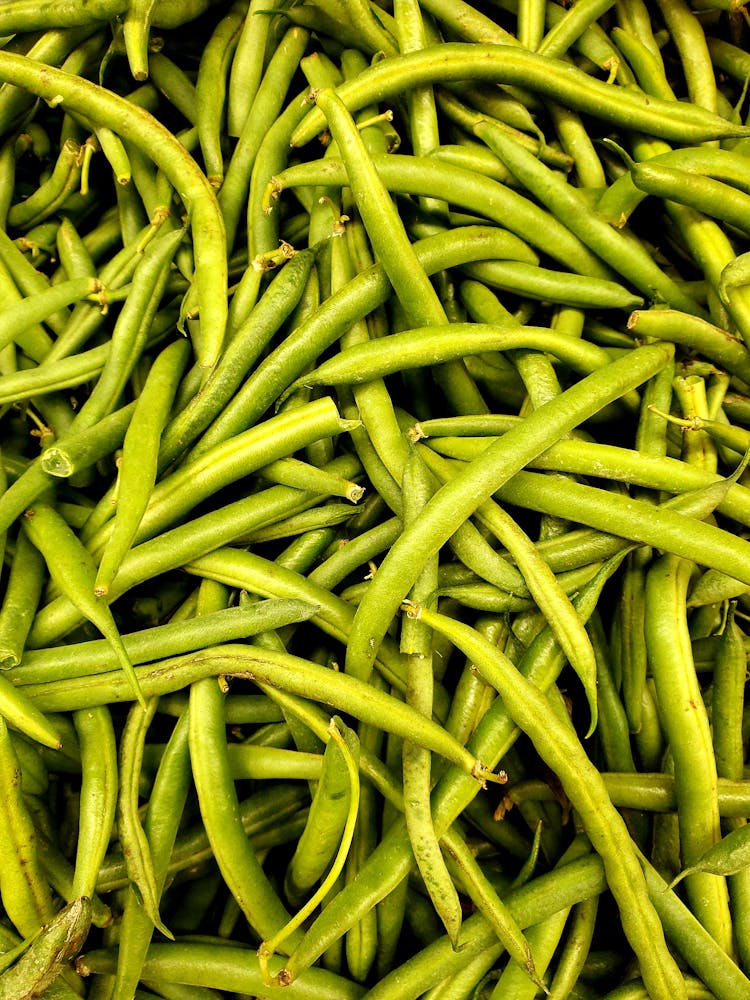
(140, 128)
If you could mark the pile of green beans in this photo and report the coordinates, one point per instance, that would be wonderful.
(374, 503)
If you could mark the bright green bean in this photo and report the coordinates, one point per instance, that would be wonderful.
(686, 726)
(234, 855)
(138, 462)
(180, 545)
(25, 892)
(22, 593)
(73, 570)
(137, 126)
(583, 785)
(462, 495)
(98, 801)
(509, 64)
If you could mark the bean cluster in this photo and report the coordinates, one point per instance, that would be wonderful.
(374, 422)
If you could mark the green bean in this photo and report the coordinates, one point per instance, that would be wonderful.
(632, 657)
(415, 644)
(59, 940)
(355, 24)
(171, 81)
(728, 856)
(75, 260)
(241, 353)
(575, 949)
(158, 642)
(323, 832)
(132, 328)
(294, 472)
(260, 814)
(176, 547)
(22, 15)
(463, 494)
(625, 256)
(33, 339)
(704, 194)
(85, 319)
(432, 345)
(554, 286)
(78, 449)
(235, 857)
(52, 194)
(136, 25)
(491, 906)
(138, 859)
(721, 164)
(138, 463)
(160, 828)
(17, 710)
(73, 570)
(686, 726)
(246, 70)
(583, 785)
(22, 594)
(730, 669)
(473, 191)
(566, 84)
(465, 21)
(384, 228)
(569, 28)
(308, 520)
(98, 801)
(690, 41)
(25, 893)
(591, 458)
(680, 531)
(362, 940)
(210, 87)
(265, 107)
(134, 125)
(224, 967)
(717, 345)
(544, 939)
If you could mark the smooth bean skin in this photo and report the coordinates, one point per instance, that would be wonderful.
(160, 641)
(97, 743)
(140, 128)
(459, 498)
(237, 861)
(508, 64)
(426, 346)
(495, 733)
(180, 545)
(686, 726)
(25, 891)
(603, 824)
(224, 967)
(475, 192)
